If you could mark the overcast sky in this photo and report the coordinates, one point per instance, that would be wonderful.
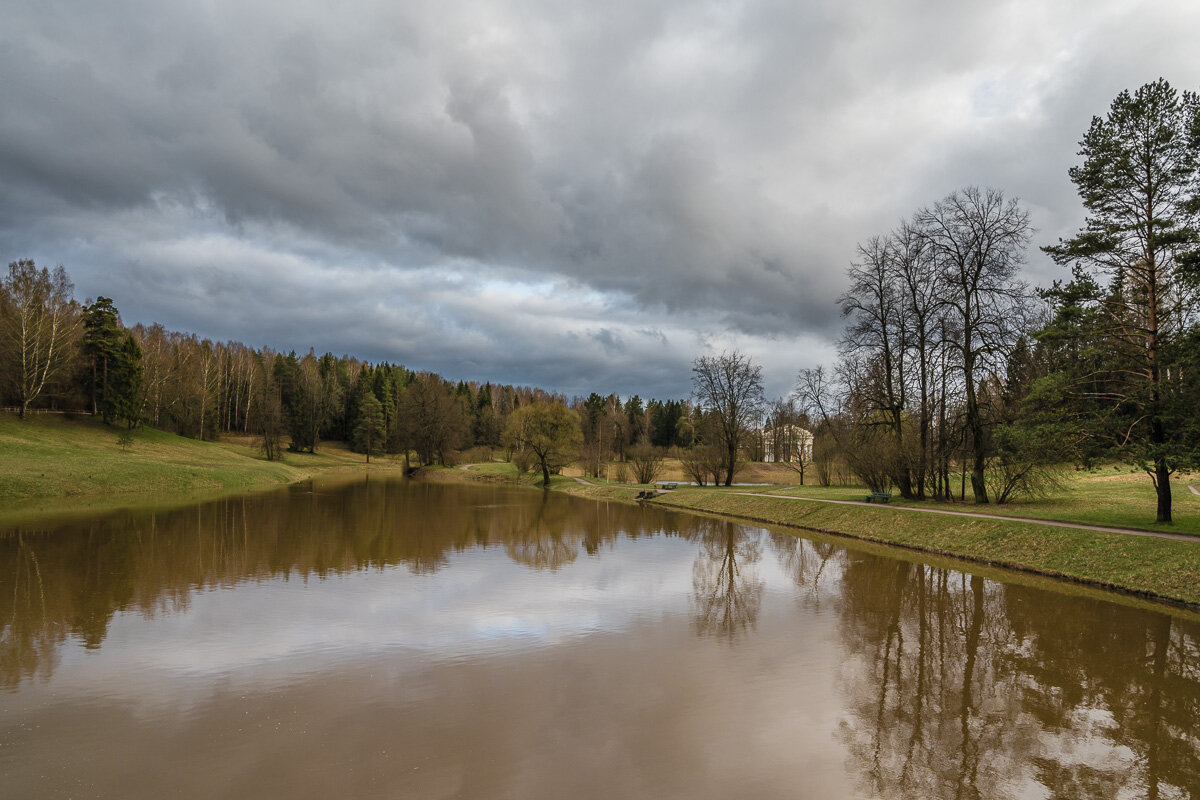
(578, 195)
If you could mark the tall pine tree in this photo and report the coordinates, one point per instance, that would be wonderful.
(1131, 296)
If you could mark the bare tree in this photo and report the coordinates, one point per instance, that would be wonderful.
(917, 281)
(647, 462)
(729, 386)
(39, 326)
(703, 463)
(434, 419)
(977, 239)
(877, 332)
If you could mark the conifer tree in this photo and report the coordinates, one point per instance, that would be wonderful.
(1133, 297)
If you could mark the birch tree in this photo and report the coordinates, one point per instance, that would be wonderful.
(39, 327)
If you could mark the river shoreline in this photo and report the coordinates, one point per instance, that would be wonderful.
(75, 468)
(1159, 570)
(54, 468)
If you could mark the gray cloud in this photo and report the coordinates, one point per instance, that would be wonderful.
(576, 195)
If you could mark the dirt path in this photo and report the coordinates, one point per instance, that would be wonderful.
(1181, 537)
(1193, 489)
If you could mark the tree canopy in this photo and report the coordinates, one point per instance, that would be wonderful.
(548, 430)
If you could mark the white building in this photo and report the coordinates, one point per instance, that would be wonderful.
(795, 444)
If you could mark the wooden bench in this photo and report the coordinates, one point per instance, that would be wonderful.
(667, 484)
(878, 497)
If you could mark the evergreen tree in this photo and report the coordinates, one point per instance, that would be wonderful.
(101, 343)
(114, 364)
(1133, 294)
(370, 430)
(123, 397)
(269, 413)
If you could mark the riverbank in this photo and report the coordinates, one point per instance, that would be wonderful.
(56, 465)
(62, 466)
(1158, 569)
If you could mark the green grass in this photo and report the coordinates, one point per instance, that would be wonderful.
(50, 463)
(1155, 567)
(506, 472)
(1116, 498)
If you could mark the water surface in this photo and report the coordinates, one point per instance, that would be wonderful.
(389, 639)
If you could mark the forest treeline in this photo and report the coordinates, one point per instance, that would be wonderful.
(59, 354)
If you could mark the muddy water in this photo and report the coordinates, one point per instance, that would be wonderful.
(419, 641)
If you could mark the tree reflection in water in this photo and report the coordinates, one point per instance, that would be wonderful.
(68, 580)
(965, 688)
(727, 591)
(543, 542)
(805, 563)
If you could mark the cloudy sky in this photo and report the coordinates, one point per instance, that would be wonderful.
(578, 195)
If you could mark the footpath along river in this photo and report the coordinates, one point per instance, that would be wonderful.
(399, 639)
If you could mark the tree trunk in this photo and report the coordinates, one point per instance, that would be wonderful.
(978, 486)
(730, 466)
(545, 475)
(93, 387)
(975, 427)
(1162, 487)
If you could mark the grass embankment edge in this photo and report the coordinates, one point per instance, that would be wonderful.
(56, 467)
(1160, 570)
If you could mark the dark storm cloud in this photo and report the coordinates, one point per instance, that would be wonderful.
(576, 195)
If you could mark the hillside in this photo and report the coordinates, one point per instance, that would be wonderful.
(52, 463)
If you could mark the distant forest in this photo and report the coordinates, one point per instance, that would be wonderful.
(61, 355)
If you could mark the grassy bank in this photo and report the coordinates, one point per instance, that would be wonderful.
(1152, 567)
(51, 464)
(54, 465)
(1156, 568)
(1115, 498)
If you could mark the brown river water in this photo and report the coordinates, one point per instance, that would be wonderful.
(406, 640)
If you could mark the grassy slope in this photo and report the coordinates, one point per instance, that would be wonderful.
(49, 463)
(1150, 567)
(1115, 497)
(1164, 568)
(1101, 497)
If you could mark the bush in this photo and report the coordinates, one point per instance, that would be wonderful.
(524, 461)
(647, 462)
(480, 454)
(704, 463)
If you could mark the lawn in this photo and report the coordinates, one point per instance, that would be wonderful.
(1114, 497)
(1164, 568)
(51, 463)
